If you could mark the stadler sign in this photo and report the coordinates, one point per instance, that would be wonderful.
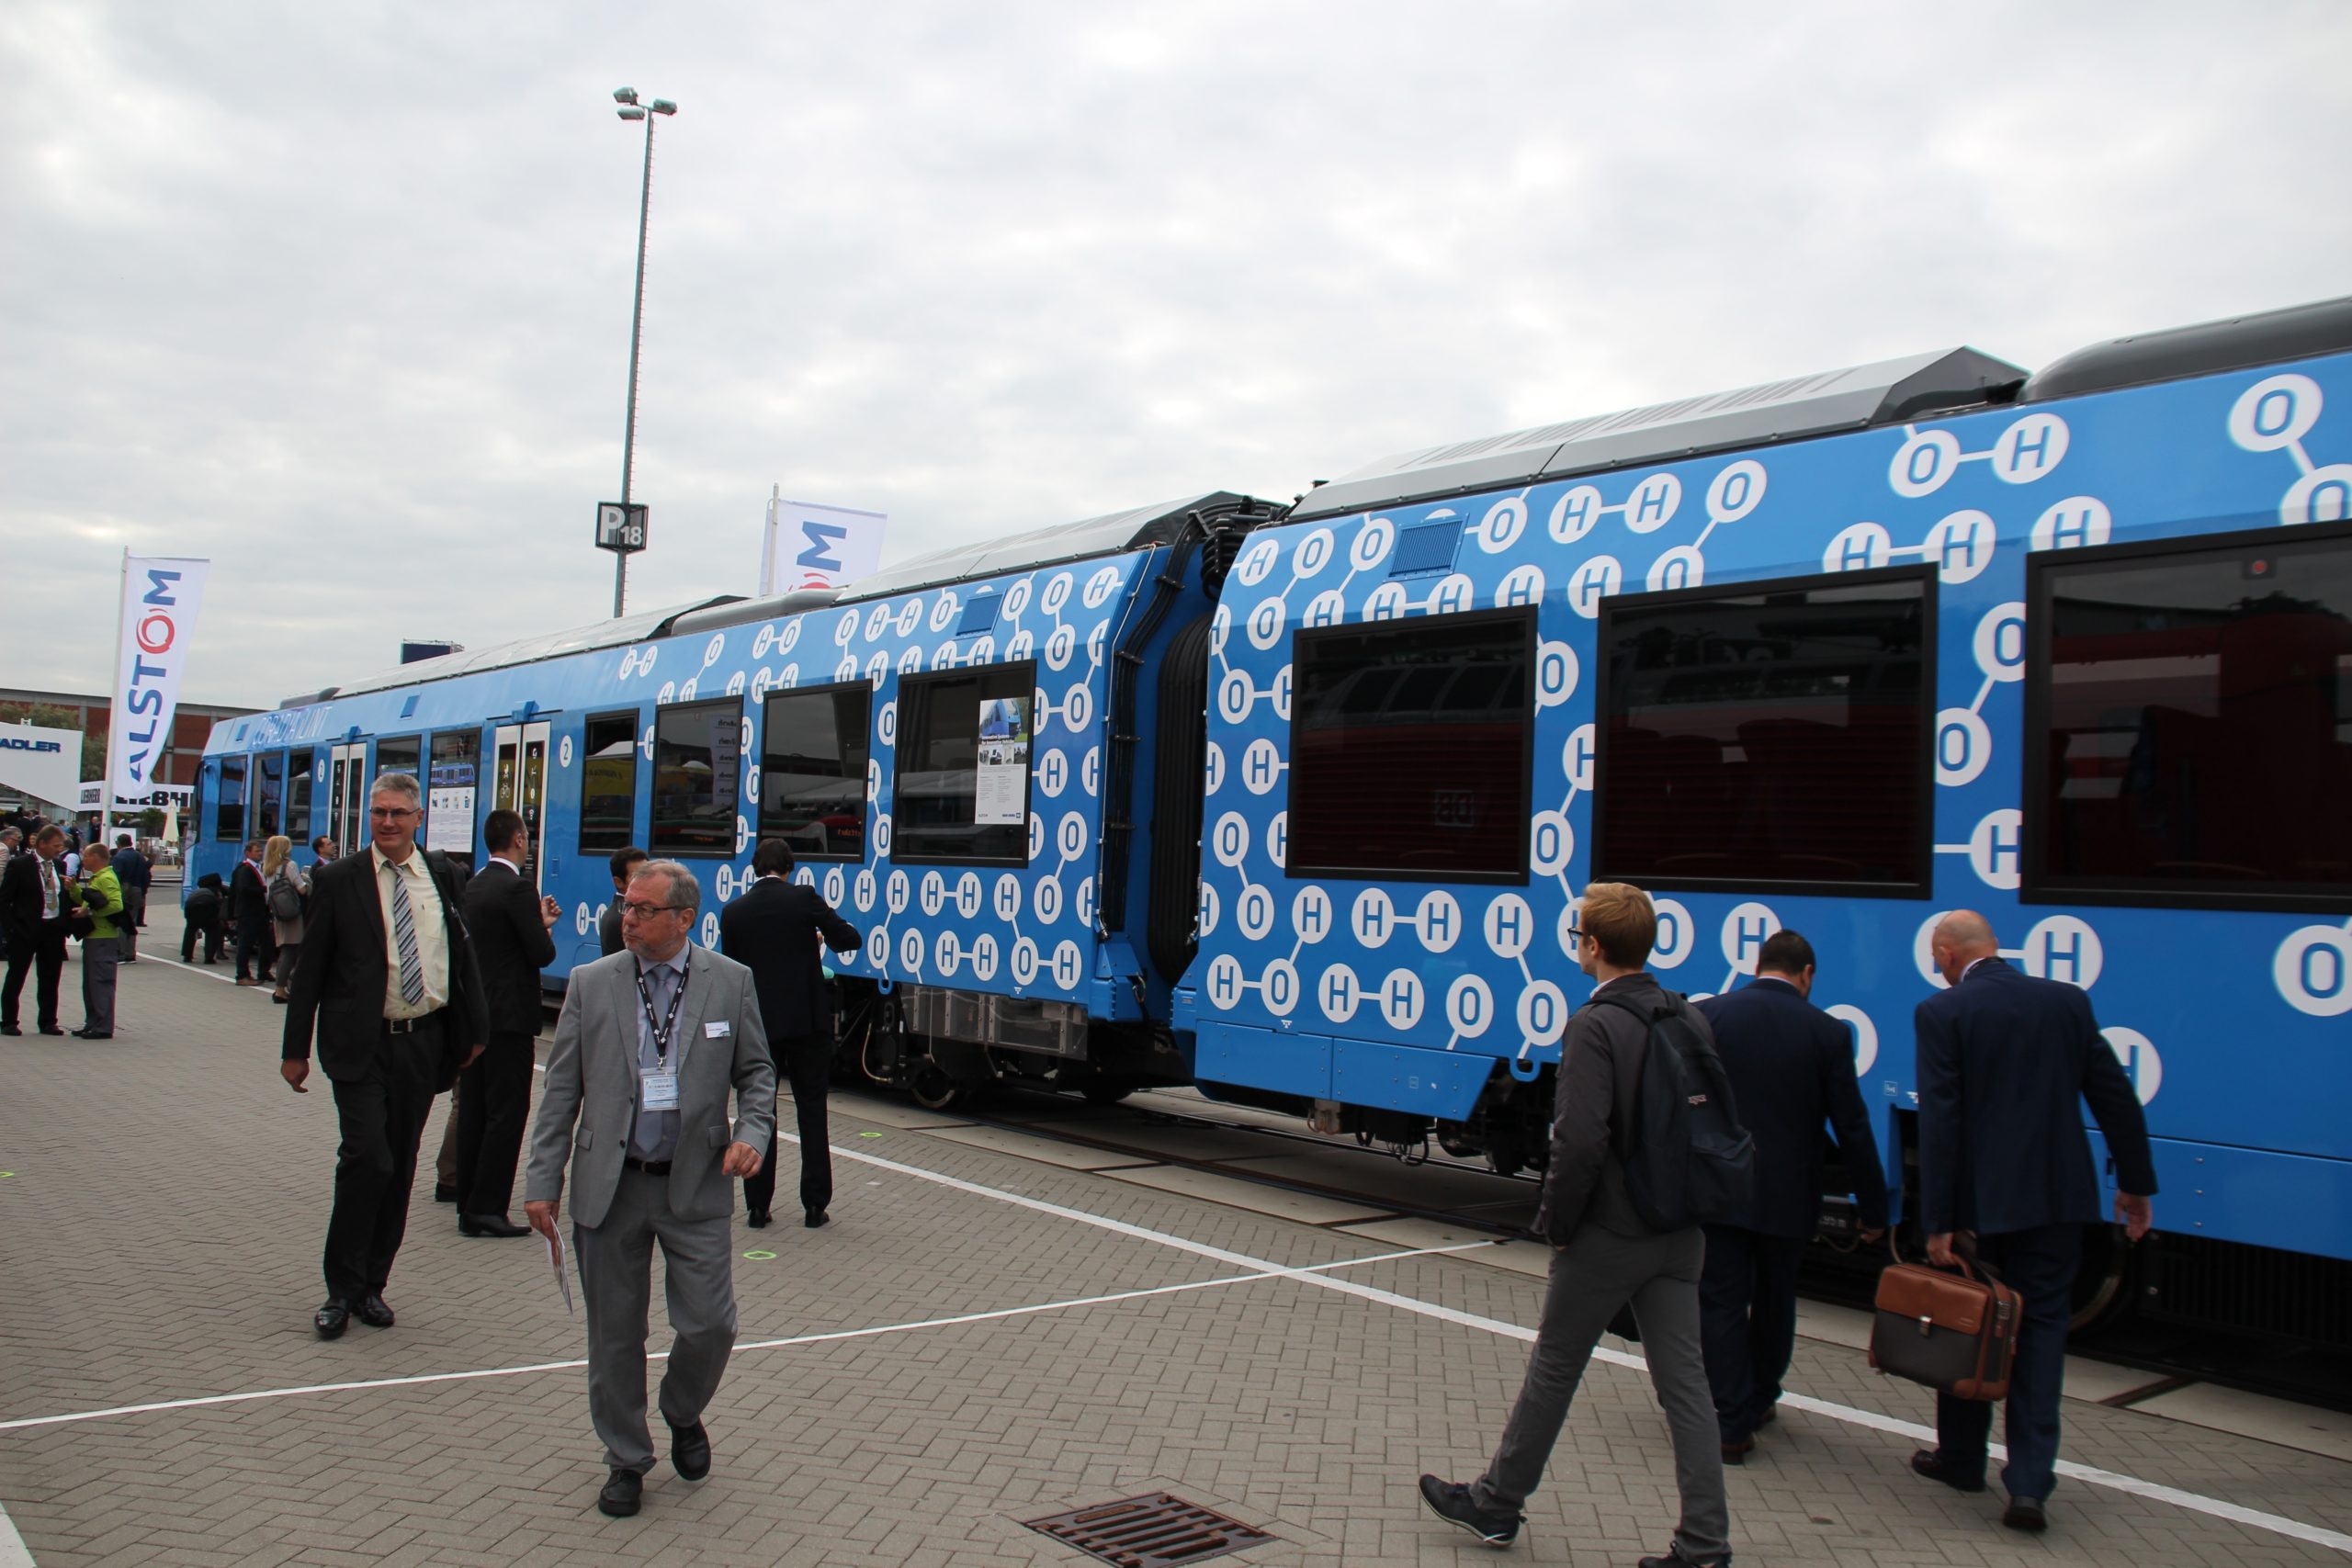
(39, 764)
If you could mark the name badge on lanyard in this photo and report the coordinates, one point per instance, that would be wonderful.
(658, 1085)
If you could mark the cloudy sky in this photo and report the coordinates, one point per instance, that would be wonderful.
(338, 295)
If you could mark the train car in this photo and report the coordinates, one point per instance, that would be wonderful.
(955, 747)
(1842, 653)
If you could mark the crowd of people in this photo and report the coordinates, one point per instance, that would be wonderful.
(411, 976)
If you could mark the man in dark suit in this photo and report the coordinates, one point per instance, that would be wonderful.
(1792, 1069)
(775, 930)
(249, 915)
(388, 978)
(510, 923)
(2005, 1062)
(136, 874)
(624, 864)
(35, 894)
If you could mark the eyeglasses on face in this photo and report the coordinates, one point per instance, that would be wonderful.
(634, 909)
(393, 813)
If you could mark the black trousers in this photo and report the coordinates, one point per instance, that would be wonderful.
(44, 957)
(806, 1061)
(1747, 1322)
(208, 928)
(493, 1107)
(382, 1117)
(256, 939)
(2039, 1265)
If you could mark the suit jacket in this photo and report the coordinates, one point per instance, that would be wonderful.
(2004, 1064)
(608, 927)
(20, 895)
(1792, 1069)
(512, 944)
(248, 897)
(775, 930)
(589, 1102)
(339, 980)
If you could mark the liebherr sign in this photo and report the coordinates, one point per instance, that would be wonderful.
(160, 595)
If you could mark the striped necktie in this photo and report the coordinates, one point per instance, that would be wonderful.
(404, 939)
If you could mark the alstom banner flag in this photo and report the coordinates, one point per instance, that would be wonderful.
(160, 595)
(818, 546)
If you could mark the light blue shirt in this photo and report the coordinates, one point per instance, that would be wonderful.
(653, 1135)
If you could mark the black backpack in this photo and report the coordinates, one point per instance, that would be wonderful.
(1687, 1161)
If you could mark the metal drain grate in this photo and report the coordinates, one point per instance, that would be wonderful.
(1153, 1531)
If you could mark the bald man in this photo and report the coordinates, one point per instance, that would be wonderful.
(2005, 1062)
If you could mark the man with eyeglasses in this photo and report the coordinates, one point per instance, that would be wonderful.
(649, 1044)
(387, 979)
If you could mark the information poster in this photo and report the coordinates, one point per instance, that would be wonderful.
(1000, 798)
(449, 820)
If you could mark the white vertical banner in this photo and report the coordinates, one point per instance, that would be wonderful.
(818, 546)
(160, 595)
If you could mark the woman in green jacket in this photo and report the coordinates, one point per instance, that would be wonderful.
(102, 896)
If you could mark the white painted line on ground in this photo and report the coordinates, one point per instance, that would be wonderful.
(2195, 1501)
(13, 1551)
(1271, 1271)
(228, 979)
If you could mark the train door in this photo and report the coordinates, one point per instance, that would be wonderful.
(520, 785)
(347, 795)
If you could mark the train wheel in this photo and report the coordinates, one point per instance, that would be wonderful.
(935, 1090)
(1105, 1091)
(2099, 1280)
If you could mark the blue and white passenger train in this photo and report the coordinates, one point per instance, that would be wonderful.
(1292, 802)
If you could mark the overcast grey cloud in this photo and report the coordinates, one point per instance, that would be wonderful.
(338, 296)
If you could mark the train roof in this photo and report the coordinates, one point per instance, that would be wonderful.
(1113, 533)
(1833, 401)
(2268, 337)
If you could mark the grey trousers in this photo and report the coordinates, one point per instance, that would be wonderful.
(1594, 1275)
(99, 954)
(617, 1283)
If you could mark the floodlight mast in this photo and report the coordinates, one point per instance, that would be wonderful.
(631, 110)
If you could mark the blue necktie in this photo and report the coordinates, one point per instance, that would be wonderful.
(404, 939)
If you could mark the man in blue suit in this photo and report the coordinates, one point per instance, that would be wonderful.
(1792, 1069)
(2004, 1064)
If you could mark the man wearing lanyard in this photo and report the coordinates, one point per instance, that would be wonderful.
(34, 898)
(649, 1042)
(388, 977)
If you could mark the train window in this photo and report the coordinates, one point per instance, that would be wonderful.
(697, 777)
(300, 766)
(608, 783)
(450, 791)
(2189, 721)
(812, 769)
(1768, 735)
(961, 792)
(269, 792)
(402, 754)
(229, 821)
(1409, 750)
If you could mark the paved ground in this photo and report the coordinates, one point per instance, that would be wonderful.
(914, 1380)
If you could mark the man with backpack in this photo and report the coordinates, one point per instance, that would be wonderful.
(1646, 1148)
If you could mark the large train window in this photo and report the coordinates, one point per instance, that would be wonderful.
(402, 754)
(269, 792)
(300, 766)
(961, 791)
(697, 777)
(608, 783)
(1770, 735)
(2189, 721)
(229, 820)
(812, 769)
(1409, 751)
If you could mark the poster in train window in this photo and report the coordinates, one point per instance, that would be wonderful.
(2184, 701)
(450, 791)
(1000, 792)
(1409, 748)
(812, 769)
(937, 805)
(697, 777)
(608, 783)
(1771, 734)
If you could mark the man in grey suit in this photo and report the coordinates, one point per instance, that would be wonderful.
(648, 1043)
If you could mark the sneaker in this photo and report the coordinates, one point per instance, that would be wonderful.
(1451, 1501)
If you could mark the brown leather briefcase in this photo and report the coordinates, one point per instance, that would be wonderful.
(1954, 1332)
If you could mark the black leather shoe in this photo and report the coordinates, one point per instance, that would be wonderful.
(332, 1319)
(756, 1218)
(2025, 1514)
(1736, 1453)
(690, 1451)
(1672, 1558)
(370, 1310)
(52, 1029)
(621, 1491)
(490, 1224)
(9, 1028)
(91, 1035)
(443, 1193)
(816, 1219)
(1930, 1463)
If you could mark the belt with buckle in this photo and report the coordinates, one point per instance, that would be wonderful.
(651, 1166)
(412, 1025)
